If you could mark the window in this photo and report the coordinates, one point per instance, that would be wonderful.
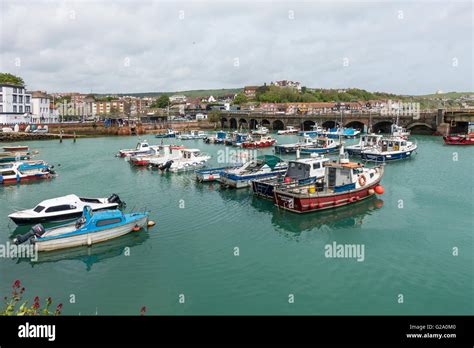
(1, 98)
(14, 90)
(20, 108)
(60, 208)
(27, 109)
(38, 209)
(108, 222)
(27, 99)
(14, 98)
(1, 108)
(14, 108)
(316, 165)
(20, 99)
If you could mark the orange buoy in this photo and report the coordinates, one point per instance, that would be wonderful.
(211, 177)
(311, 205)
(135, 228)
(379, 189)
(287, 180)
(371, 192)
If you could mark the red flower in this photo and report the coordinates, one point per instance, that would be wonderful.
(36, 305)
(37, 299)
(58, 308)
(16, 284)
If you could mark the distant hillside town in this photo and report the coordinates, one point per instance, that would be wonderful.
(18, 105)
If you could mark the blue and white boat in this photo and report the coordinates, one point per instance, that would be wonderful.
(337, 132)
(322, 145)
(366, 141)
(300, 172)
(315, 130)
(306, 142)
(218, 138)
(389, 149)
(237, 139)
(169, 134)
(91, 228)
(262, 166)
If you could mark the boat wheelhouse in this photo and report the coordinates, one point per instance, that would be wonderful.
(63, 208)
(365, 141)
(142, 148)
(161, 153)
(337, 132)
(190, 160)
(236, 139)
(389, 149)
(300, 171)
(321, 145)
(91, 228)
(398, 131)
(315, 130)
(262, 166)
(344, 183)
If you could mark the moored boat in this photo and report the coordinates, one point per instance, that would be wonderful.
(262, 166)
(261, 130)
(162, 153)
(261, 141)
(459, 139)
(142, 148)
(19, 172)
(366, 141)
(344, 183)
(91, 228)
(63, 208)
(321, 145)
(193, 134)
(288, 130)
(307, 141)
(315, 130)
(337, 132)
(218, 138)
(168, 134)
(14, 156)
(389, 149)
(15, 148)
(300, 171)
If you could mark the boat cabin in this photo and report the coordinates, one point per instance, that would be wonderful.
(191, 153)
(394, 144)
(306, 168)
(142, 145)
(342, 176)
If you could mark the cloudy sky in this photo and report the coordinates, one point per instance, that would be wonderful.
(104, 46)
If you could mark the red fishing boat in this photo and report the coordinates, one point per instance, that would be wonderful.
(344, 183)
(459, 139)
(262, 141)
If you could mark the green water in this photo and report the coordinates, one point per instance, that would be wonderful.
(190, 251)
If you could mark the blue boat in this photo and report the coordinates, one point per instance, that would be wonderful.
(219, 138)
(91, 228)
(315, 130)
(335, 133)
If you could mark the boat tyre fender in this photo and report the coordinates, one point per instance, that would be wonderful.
(362, 180)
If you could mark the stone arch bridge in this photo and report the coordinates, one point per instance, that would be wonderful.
(426, 122)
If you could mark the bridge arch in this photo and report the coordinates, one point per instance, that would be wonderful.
(307, 125)
(233, 123)
(253, 123)
(329, 124)
(243, 123)
(223, 122)
(278, 125)
(265, 123)
(382, 127)
(420, 128)
(356, 125)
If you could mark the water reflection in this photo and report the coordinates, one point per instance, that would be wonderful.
(93, 254)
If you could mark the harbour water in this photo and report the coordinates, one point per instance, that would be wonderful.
(408, 234)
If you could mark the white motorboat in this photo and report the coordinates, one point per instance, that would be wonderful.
(261, 130)
(288, 130)
(366, 141)
(194, 134)
(63, 208)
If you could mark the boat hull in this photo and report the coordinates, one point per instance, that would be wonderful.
(386, 157)
(265, 188)
(90, 238)
(457, 140)
(319, 150)
(313, 202)
(241, 181)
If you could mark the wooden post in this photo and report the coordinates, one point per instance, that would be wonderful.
(74, 136)
(60, 135)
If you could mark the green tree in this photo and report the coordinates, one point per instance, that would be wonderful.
(240, 99)
(11, 79)
(162, 102)
(214, 116)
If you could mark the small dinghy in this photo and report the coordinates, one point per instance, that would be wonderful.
(64, 208)
(15, 148)
(91, 228)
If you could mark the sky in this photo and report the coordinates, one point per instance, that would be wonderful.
(404, 47)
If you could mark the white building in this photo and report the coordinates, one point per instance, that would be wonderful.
(15, 104)
(40, 108)
(201, 117)
(177, 99)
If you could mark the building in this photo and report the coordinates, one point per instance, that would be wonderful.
(108, 107)
(41, 111)
(250, 91)
(285, 83)
(15, 104)
(177, 99)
